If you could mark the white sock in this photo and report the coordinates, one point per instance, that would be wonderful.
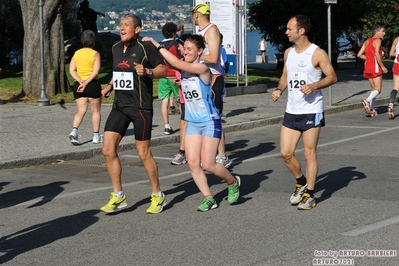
(373, 95)
(119, 194)
(160, 194)
(167, 126)
(372, 102)
(96, 134)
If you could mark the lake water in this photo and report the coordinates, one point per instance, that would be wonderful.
(253, 38)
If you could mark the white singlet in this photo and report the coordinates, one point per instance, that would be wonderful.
(300, 71)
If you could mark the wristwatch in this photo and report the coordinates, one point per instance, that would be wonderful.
(149, 72)
(161, 46)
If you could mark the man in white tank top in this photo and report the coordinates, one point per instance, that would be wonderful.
(304, 115)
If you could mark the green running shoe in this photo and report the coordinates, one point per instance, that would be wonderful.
(207, 204)
(234, 191)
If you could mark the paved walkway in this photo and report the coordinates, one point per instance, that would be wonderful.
(31, 134)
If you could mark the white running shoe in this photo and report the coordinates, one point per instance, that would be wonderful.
(225, 161)
(73, 136)
(307, 202)
(97, 139)
(179, 159)
(297, 196)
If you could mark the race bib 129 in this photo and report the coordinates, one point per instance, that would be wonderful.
(297, 80)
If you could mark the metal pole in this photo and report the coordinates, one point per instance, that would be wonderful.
(237, 44)
(329, 49)
(194, 29)
(43, 100)
(245, 43)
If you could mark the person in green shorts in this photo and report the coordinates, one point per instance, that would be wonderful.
(166, 88)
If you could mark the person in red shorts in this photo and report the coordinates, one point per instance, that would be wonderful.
(371, 52)
(394, 52)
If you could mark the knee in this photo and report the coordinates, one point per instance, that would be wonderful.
(310, 155)
(81, 111)
(109, 152)
(287, 156)
(143, 154)
(195, 168)
(207, 166)
(193, 163)
(96, 112)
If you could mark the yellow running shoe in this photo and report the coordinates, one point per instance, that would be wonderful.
(114, 203)
(157, 203)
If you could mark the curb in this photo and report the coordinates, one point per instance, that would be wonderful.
(241, 90)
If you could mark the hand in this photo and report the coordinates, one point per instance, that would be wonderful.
(276, 95)
(306, 89)
(150, 39)
(81, 87)
(140, 69)
(106, 91)
(177, 82)
(384, 70)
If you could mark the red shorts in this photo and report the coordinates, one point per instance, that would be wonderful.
(371, 75)
(395, 68)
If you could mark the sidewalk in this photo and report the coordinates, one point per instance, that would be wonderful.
(32, 135)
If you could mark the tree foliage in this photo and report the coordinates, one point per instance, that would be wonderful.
(384, 13)
(11, 31)
(72, 26)
(271, 17)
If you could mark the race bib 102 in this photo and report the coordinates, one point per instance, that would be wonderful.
(123, 81)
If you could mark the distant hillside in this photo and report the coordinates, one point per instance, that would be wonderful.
(121, 5)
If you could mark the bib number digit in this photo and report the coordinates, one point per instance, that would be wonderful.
(297, 84)
(188, 95)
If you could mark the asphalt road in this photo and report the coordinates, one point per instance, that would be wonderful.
(49, 214)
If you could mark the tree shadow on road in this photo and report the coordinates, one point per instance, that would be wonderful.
(336, 180)
(3, 184)
(353, 95)
(249, 184)
(43, 234)
(186, 188)
(241, 111)
(46, 193)
(240, 154)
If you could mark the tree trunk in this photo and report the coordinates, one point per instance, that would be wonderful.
(54, 76)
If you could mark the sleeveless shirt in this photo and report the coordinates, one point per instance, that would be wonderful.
(84, 59)
(198, 102)
(395, 67)
(371, 65)
(215, 68)
(300, 71)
